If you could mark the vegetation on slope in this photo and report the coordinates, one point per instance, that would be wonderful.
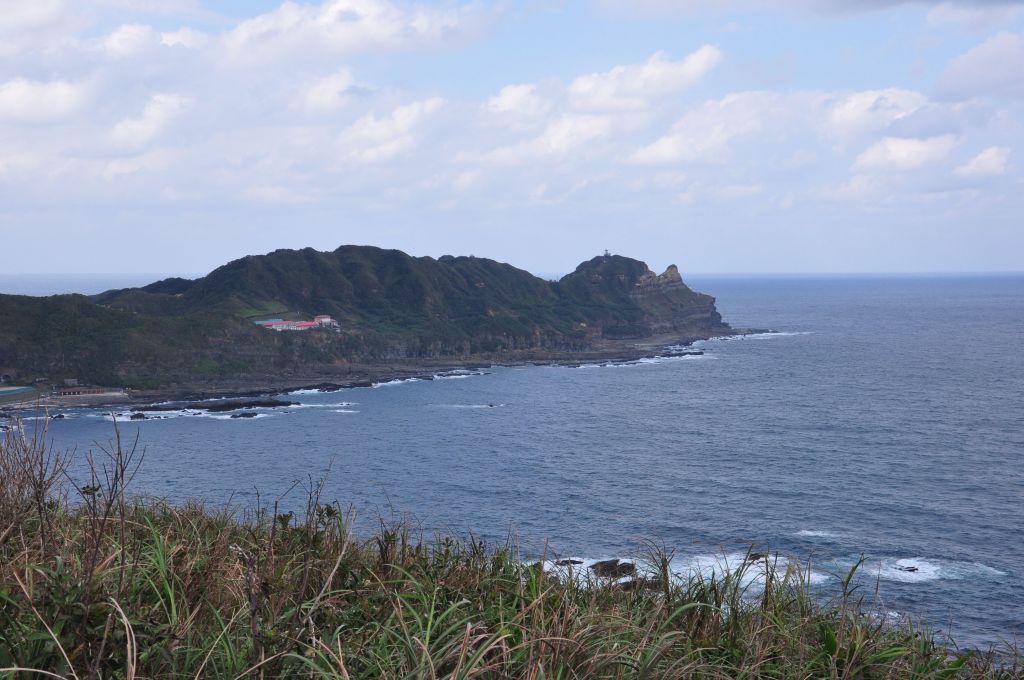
(389, 305)
(95, 584)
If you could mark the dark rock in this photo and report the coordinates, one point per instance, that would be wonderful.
(910, 569)
(640, 584)
(220, 405)
(756, 557)
(138, 416)
(567, 563)
(613, 569)
(247, 414)
(58, 416)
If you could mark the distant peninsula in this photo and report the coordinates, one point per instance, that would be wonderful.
(297, 316)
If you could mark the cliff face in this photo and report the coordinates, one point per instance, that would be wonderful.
(389, 305)
(634, 302)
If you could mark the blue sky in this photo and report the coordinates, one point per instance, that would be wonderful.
(758, 136)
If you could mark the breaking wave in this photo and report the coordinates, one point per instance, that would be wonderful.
(922, 570)
(815, 533)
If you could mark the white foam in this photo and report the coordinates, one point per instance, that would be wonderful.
(683, 569)
(344, 410)
(922, 570)
(171, 415)
(458, 374)
(397, 381)
(643, 361)
(752, 336)
(336, 404)
(296, 393)
(581, 573)
(228, 416)
(815, 533)
(752, 573)
(680, 357)
(150, 415)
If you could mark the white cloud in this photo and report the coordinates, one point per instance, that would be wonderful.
(185, 37)
(328, 94)
(906, 153)
(993, 68)
(972, 16)
(129, 39)
(20, 15)
(374, 139)
(633, 87)
(340, 26)
(467, 180)
(705, 133)
(18, 163)
(33, 101)
(159, 112)
(989, 163)
(827, 7)
(518, 100)
(155, 161)
(872, 110)
(569, 132)
(275, 194)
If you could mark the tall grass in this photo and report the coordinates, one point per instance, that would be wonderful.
(97, 584)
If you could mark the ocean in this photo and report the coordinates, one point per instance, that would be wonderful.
(883, 421)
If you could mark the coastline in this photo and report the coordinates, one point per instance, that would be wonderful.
(368, 375)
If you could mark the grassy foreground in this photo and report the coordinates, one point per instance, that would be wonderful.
(97, 584)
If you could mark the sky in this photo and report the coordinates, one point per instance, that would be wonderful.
(755, 136)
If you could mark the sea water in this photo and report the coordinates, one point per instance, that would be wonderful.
(883, 421)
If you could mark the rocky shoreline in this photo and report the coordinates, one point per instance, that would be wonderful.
(361, 376)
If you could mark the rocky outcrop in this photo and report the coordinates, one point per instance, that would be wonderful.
(218, 406)
(649, 281)
(613, 568)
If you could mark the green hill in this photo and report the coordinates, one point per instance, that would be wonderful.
(389, 305)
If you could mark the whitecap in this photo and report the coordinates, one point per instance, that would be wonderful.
(228, 416)
(458, 374)
(344, 410)
(922, 570)
(667, 358)
(336, 404)
(754, 336)
(397, 381)
(296, 393)
(815, 533)
(752, 572)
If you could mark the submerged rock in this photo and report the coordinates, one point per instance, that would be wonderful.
(247, 414)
